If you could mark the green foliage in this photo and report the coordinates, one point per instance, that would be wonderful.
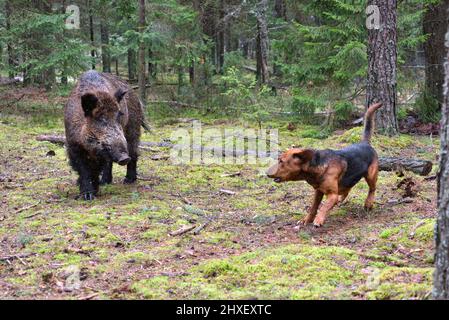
(41, 38)
(427, 108)
(343, 109)
(304, 105)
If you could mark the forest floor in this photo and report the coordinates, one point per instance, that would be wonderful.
(119, 246)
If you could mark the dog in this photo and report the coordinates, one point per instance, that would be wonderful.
(331, 172)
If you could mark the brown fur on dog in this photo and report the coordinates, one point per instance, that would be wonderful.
(331, 172)
(102, 120)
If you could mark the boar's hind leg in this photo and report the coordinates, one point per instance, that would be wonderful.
(106, 174)
(131, 169)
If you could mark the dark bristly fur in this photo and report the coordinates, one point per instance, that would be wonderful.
(331, 172)
(102, 120)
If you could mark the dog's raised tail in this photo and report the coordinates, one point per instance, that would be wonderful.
(369, 121)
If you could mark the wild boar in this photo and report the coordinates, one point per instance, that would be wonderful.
(102, 118)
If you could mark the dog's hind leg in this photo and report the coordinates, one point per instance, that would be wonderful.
(314, 209)
(371, 180)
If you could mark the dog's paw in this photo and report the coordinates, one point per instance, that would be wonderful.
(306, 220)
(318, 222)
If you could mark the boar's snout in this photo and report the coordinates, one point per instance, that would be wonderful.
(124, 160)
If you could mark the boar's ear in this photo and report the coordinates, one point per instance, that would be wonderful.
(89, 102)
(120, 94)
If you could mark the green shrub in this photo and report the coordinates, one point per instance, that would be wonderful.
(304, 106)
(427, 108)
(343, 110)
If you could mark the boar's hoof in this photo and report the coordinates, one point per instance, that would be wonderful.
(105, 180)
(129, 180)
(89, 196)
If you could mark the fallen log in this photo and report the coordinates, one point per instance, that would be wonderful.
(420, 167)
(60, 140)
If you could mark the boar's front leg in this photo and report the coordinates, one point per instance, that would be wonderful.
(131, 169)
(88, 174)
(106, 174)
(89, 180)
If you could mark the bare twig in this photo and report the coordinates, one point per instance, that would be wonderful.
(235, 174)
(27, 207)
(182, 231)
(34, 214)
(90, 296)
(16, 256)
(228, 192)
(200, 228)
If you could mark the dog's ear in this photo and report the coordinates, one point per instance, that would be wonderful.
(304, 155)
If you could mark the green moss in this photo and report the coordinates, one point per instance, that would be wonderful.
(290, 272)
(426, 231)
(387, 233)
(402, 283)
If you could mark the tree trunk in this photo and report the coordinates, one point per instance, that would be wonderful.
(382, 57)
(117, 72)
(208, 23)
(221, 38)
(192, 73)
(280, 9)
(441, 276)
(92, 35)
(435, 26)
(132, 68)
(142, 53)
(262, 42)
(64, 79)
(11, 59)
(280, 12)
(49, 75)
(105, 54)
(152, 70)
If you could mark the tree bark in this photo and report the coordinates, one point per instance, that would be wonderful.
(435, 26)
(262, 42)
(117, 71)
(92, 35)
(280, 9)
(382, 58)
(105, 54)
(441, 276)
(132, 64)
(221, 38)
(11, 59)
(142, 53)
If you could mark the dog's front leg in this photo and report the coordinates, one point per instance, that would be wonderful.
(332, 200)
(318, 197)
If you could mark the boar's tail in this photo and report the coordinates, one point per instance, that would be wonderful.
(146, 126)
(144, 123)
